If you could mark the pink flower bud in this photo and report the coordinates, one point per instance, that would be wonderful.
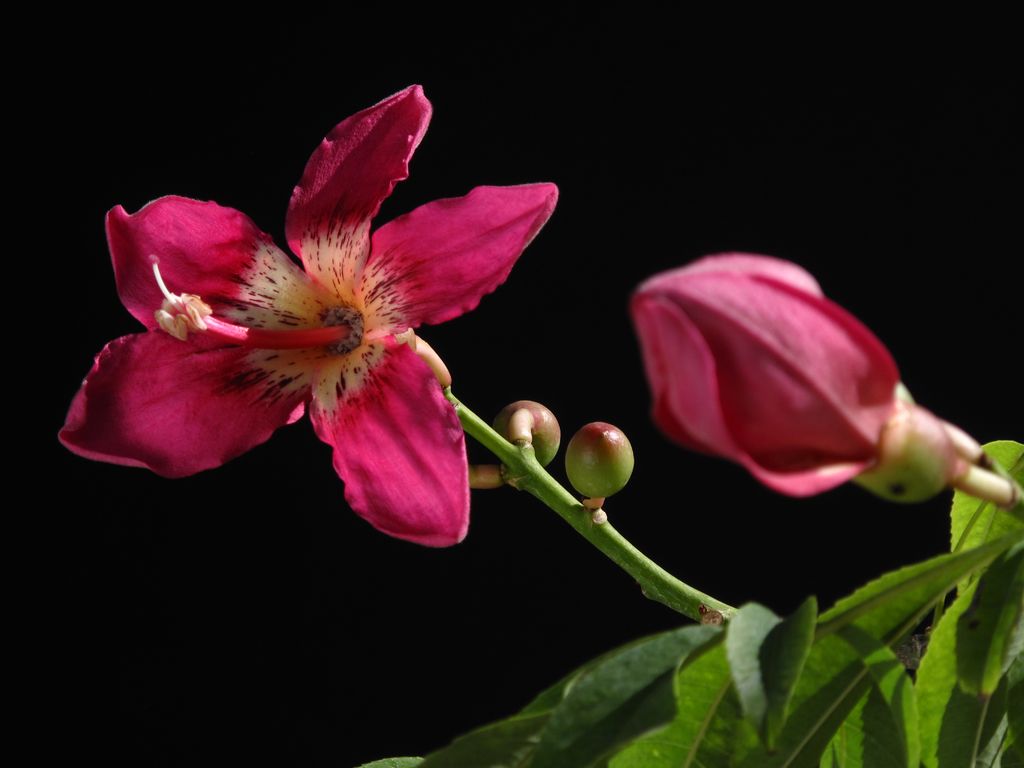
(748, 360)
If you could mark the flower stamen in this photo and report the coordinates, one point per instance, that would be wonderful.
(185, 313)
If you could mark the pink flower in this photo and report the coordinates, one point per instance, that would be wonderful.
(748, 360)
(239, 338)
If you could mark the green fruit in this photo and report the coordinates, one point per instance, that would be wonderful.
(546, 434)
(599, 460)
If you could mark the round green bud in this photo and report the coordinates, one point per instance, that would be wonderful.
(599, 460)
(540, 428)
(916, 458)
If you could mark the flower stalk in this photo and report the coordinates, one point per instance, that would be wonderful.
(485, 476)
(525, 473)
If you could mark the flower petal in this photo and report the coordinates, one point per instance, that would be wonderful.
(178, 407)
(214, 252)
(397, 444)
(347, 178)
(749, 265)
(438, 261)
(794, 369)
(688, 402)
(681, 372)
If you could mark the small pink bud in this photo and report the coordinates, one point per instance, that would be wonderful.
(528, 422)
(748, 360)
(599, 460)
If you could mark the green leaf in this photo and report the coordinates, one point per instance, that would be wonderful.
(852, 744)
(514, 741)
(836, 675)
(709, 723)
(394, 762)
(1015, 708)
(991, 754)
(989, 632)
(974, 522)
(956, 727)
(710, 729)
(550, 697)
(860, 741)
(614, 702)
(891, 605)
(847, 659)
(842, 671)
(505, 744)
(882, 729)
(766, 655)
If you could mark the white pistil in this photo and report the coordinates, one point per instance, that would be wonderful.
(180, 314)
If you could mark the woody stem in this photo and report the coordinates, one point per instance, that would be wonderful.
(524, 472)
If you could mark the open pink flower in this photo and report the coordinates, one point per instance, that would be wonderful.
(748, 360)
(239, 338)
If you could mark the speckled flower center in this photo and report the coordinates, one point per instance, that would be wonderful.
(344, 316)
(185, 313)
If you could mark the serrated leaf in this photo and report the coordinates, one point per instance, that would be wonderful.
(956, 727)
(889, 606)
(1015, 708)
(974, 522)
(841, 671)
(709, 722)
(858, 743)
(991, 755)
(717, 734)
(551, 696)
(882, 729)
(512, 742)
(766, 655)
(618, 700)
(394, 762)
(505, 744)
(989, 631)
(710, 729)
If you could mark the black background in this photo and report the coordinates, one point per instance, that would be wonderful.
(247, 612)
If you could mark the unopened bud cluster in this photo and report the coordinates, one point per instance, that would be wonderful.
(598, 459)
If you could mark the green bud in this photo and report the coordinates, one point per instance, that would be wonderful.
(599, 460)
(540, 429)
(916, 457)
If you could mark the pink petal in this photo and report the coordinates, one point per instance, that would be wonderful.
(681, 372)
(176, 407)
(794, 369)
(807, 482)
(751, 363)
(397, 445)
(347, 178)
(683, 378)
(808, 376)
(214, 252)
(438, 261)
(766, 268)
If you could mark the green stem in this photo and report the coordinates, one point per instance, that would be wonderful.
(524, 472)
